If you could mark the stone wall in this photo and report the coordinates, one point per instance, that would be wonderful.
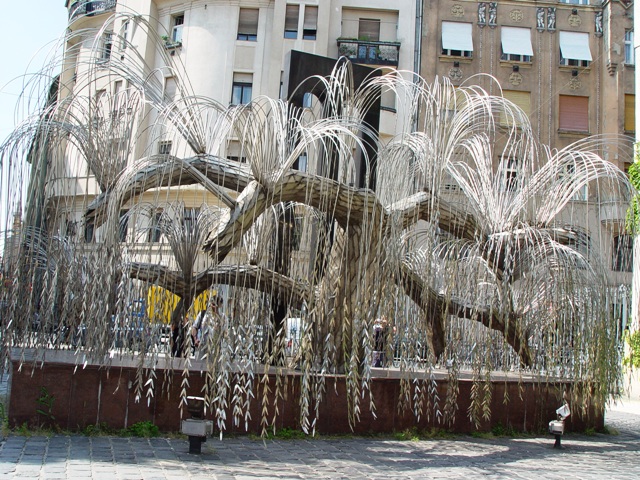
(91, 395)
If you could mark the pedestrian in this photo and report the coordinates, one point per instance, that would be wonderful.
(205, 322)
(178, 337)
(380, 334)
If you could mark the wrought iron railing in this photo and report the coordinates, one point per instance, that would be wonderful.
(368, 52)
(90, 7)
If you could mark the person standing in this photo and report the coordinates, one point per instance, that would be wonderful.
(380, 334)
(205, 322)
(178, 337)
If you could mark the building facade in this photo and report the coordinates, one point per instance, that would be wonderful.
(570, 65)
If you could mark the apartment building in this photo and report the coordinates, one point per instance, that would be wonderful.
(570, 65)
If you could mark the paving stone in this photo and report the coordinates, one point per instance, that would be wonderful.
(106, 458)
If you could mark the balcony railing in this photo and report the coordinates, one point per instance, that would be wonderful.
(90, 7)
(369, 53)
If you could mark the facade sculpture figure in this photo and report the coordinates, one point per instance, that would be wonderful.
(599, 23)
(493, 13)
(551, 19)
(540, 19)
(482, 14)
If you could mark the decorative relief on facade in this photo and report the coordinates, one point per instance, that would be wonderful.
(575, 20)
(493, 13)
(515, 78)
(575, 83)
(551, 19)
(457, 10)
(612, 67)
(516, 15)
(482, 14)
(540, 23)
(455, 74)
(598, 22)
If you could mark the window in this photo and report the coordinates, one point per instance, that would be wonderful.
(70, 229)
(575, 2)
(177, 23)
(296, 234)
(568, 175)
(89, 231)
(516, 44)
(125, 35)
(522, 100)
(301, 163)
(629, 52)
(123, 226)
(291, 21)
(622, 253)
(164, 147)
(248, 24)
(170, 88)
(190, 218)
(242, 88)
(574, 113)
(574, 49)
(234, 153)
(369, 29)
(456, 39)
(510, 174)
(629, 113)
(310, 27)
(154, 228)
(307, 100)
(107, 46)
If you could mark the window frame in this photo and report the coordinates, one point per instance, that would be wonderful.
(310, 23)
(125, 35)
(251, 35)
(371, 21)
(177, 25)
(629, 112)
(243, 87)
(574, 62)
(190, 218)
(620, 262)
(106, 49)
(514, 57)
(629, 51)
(452, 52)
(564, 116)
(164, 147)
(289, 21)
(155, 233)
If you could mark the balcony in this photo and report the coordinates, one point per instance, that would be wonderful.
(90, 7)
(368, 52)
(614, 213)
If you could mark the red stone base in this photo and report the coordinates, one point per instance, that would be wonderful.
(88, 394)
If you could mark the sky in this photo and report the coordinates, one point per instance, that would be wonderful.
(28, 38)
(34, 25)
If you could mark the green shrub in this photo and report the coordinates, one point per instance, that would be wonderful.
(144, 429)
(633, 359)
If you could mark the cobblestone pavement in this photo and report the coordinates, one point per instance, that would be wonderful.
(76, 457)
(114, 458)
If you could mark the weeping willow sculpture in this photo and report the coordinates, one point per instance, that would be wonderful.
(462, 229)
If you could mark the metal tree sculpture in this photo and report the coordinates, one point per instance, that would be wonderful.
(469, 241)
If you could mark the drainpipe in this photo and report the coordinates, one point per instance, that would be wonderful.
(417, 55)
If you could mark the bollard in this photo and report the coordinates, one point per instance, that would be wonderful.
(556, 427)
(196, 427)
